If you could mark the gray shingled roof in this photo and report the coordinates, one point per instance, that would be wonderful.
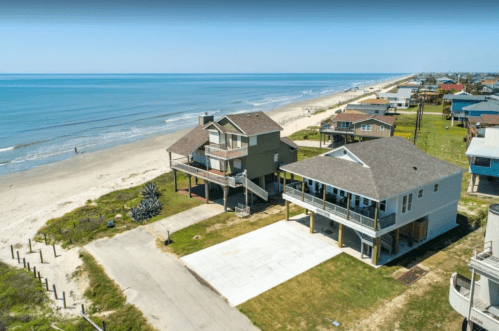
(390, 170)
(191, 141)
(289, 142)
(367, 107)
(221, 127)
(464, 97)
(254, 123)
(490, 105)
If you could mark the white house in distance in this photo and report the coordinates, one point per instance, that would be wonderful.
(399, 100)
(384, 193)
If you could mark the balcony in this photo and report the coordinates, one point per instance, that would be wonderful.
(200, 171)
(221, 151)
(338, 206)
(459, 299)
(327, 128)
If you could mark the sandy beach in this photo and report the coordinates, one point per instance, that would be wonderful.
(30, 198)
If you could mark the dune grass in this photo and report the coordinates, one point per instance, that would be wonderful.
(89, 222)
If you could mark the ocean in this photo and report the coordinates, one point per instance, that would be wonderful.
(44, 117)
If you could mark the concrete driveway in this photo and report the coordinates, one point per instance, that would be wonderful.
(246, 266)
(160, 285)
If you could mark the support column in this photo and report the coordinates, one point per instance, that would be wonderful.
(284, 184)
(175, 180)
(292, 178)
(190, 194)
(207, 191)
(226, 193)
(262, 182)
(376, 251)
(246, 194)
(306, 211)
(376, 217)
(472, 293)
(340, 235)
(303, 189)
(396, 241)
(312, 221)
(196, 180)
(452, 119)
(170, 158)
(278, 181)
(287, 210)
(320, 140)
(323, 197)
(348, 205)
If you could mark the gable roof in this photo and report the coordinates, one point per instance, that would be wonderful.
(449, 87)
(367, 107)
(191, 141)
(389, 172)
(374, 101)
(254, 123)
(489, 105)
(484, 119)
(465, 97)
(220, 127)
(355, 118)
(290, 142)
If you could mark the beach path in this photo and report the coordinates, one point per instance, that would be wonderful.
(159, 284)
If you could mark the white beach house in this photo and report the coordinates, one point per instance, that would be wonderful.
(386, 192)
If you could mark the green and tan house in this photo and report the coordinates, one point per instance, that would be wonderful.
(237, 150)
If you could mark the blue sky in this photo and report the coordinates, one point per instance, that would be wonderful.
(251, 37)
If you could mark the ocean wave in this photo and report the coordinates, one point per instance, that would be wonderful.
(276, 100)
(190, 116)
(7, 149)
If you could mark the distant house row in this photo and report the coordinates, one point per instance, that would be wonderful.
(466, 105)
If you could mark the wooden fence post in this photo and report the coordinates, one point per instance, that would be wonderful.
(41, 256)
(12, 251)
(29, 240)
(64, 298)
(55, 291)
(18, 258)
(55, 254)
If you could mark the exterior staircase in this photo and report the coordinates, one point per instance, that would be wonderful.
(386, 240)
(254, 188)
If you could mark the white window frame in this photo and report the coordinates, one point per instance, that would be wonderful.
(420, 193)
(381, 128)
(435, 188)
(253, 140)
(276, 157)
(404, 204)
(409, 202)
(364, 127)
(345, 125)
(239, 141)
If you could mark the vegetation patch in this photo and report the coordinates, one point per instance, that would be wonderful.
(90, 222)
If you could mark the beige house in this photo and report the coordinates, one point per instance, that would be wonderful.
(237, 150)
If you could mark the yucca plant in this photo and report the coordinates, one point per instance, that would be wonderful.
(150, 191)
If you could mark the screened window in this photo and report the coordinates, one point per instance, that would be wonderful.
(366, 201)
(357, 200)
(435, 188)
(420, 194)
(382, 205)
(365, 127)
(253, 141)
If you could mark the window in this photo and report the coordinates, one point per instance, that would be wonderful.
(237, 163)
(214, 137)
(409, 204)
(365, 127)
(435, 188)
(345, 124)
(309, 182)
(253, 141)
(404, 204)
(382, 205)
(316, 186)
(420, 194)
(276, 157)
(342, 193)
(335, 190)
(357, 200)
(239, 141)
(381, 128)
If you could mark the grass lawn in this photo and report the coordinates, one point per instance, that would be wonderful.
(427, 108)
(342, 289)
(310, 133)
(89, 222)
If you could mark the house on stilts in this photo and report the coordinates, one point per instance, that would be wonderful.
(239, 150)
(386, 195)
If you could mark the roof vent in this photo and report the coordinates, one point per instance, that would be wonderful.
(415, 168)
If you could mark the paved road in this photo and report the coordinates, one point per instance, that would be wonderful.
(160, 285)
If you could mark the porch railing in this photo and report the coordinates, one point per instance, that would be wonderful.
(221, 151)
(182, 165)
(294, 190)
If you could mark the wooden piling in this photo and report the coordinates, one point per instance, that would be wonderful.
(18, 258)
(29, 240)
(55, 291)
(47, 284)
(53, 247)
(39, 277)
(64, 299)
(29, 269)
(34, 271)
(45, 237)
(12, 251)
(41, 256)
(24, 263)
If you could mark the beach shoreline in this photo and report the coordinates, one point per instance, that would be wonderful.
(32, 197)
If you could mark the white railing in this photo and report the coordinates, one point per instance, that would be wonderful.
(182, 165)
(221, 151)
(253, 187)
(332, 208)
